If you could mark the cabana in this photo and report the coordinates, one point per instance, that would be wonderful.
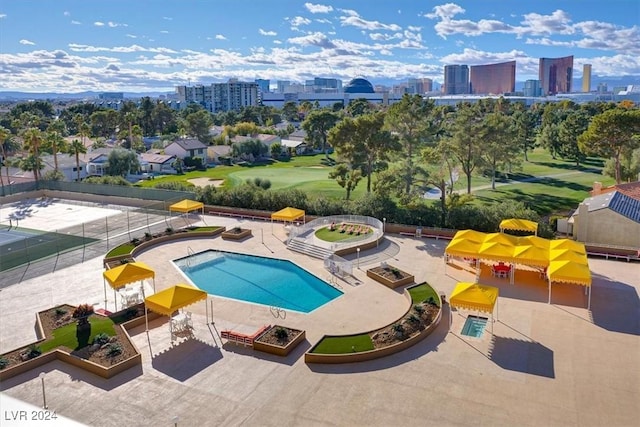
(172, 299)
(186, 206)
(519, 225)
(287, 214)
(124, 274)
(471, 296)
(570, 272)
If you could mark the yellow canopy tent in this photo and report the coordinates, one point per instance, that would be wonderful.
(519, 225)
(504, 239)
(536, 241)
(531, 255)
(185, 206)
(471, 296)
(288, 214)
(124, 274)
(569, 272)
(471, 235)
(462, 248)
(174, 298)
(567, 244)
(495, 251)
(567, 255)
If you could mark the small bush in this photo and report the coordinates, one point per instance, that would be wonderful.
(4, 362)
(398, 328)
(169, 230)
(147, 236)
(83, 310)
(265, 184)
(114, 349)
(414, 319)
(60, 312)
(418, 309)
(281, 333)
(34, 351)
(101, 339)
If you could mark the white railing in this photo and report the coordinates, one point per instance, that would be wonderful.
(306, 231)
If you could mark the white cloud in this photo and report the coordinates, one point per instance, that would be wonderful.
(66, 13)
(27, 42)
(164, 32)
(131, 36)
(74, 22)
(318, 8)
(445, 11)
(118, 49)
(315, 39)
(98, 24)
(349, 12)
(267, 33)
(220, 37)
(413, 28)
(167, 18)
(356, 21)
(323, 21)
(116, 24)
(3, 15)
(299, 20)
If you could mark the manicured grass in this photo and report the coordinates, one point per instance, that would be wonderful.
(208, 228)
(422, 293)
(69, 336)
(346, 344)
(334, 236)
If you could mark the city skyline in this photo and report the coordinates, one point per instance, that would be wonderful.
(116, 46)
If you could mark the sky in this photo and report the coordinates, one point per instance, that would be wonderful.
(155, 45)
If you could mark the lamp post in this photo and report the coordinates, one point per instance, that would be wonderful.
(175, 420)
(384, 224)
(358, 251)
(44, 395)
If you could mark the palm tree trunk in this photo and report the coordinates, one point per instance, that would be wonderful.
(78, 165)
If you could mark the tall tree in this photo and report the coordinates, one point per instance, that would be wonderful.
(410, 120)
(54, 140)
(499, 145)
(569, 130)
(612, 134)
(317, 124)
(363, 141)
(464, 143)
(525, 122)
(4, 135)
(346, 176)
(33, 139)
(290, 111)
(122, 162)
(198, 125)
(76, 148)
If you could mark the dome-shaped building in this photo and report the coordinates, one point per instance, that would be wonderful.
(359, 85)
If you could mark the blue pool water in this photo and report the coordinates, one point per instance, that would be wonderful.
(474, 326)
(260, 280)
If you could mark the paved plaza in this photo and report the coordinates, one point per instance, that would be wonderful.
(555, 364)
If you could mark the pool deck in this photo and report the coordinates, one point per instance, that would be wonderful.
(553, 364)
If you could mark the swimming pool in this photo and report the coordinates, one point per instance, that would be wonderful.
(260, 280)
(474, 326)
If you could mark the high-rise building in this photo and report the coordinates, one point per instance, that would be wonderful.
(556, 75)
(532, 88)
(586, 78)
(263, 85)
(456, 79)
(282, 85)
(323, 85)
(419, 86)
(216, 97)
(493, 79)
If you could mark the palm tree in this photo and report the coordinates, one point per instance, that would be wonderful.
(33, 139)
(54, 140)
(7, 145)
(75, 149)
(4, 134)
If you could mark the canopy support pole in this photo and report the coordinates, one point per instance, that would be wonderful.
(104, 285)
(549, 302)
(478, 272)
(206, 310)
(589, 300)
(115, 300)
(154, 285)
(146, 318)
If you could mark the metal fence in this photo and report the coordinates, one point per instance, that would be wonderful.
(306, 231)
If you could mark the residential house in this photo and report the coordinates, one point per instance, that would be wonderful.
(157, 163)
(611, 217)
(182, 148)
(214, 152)
(292, 147)
(66, 165)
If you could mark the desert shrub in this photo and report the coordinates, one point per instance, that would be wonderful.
(147, 236)
(34, 351)
(398, 328)
(4, 362)
(114, 350)
(168, 230)
(414, 319)
(281, 333)
(60, 312)
(83, 310)
(265, 184)
(418, 309)
(101, 339)
(174, 185)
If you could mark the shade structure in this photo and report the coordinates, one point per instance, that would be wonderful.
(128, 273)
(496, 252)
(186, 206)
(462, 248)
(567, 255)
(567, 244)
(569, 272)
(519, 225)
(288, 214)
(471, 235)
(472, 296)
(536, 241)
(504, 239)
(531, 255)
(174, 298)
(124, 274)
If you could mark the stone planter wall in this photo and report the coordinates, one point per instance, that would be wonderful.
(231, 235)
(390, 283)
(277, 349)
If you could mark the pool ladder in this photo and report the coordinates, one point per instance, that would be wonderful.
(190, 253)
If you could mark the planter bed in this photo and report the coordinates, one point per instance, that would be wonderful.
(269, 342)
(390, 276)
(236, 234)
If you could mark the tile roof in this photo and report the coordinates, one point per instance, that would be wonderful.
(631, 189)
(625, 206)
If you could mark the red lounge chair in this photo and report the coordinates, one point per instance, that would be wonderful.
(244, 339)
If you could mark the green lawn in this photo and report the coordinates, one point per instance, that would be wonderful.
(422, 293)
(346, 344)
(69, 336)
(333, 236)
